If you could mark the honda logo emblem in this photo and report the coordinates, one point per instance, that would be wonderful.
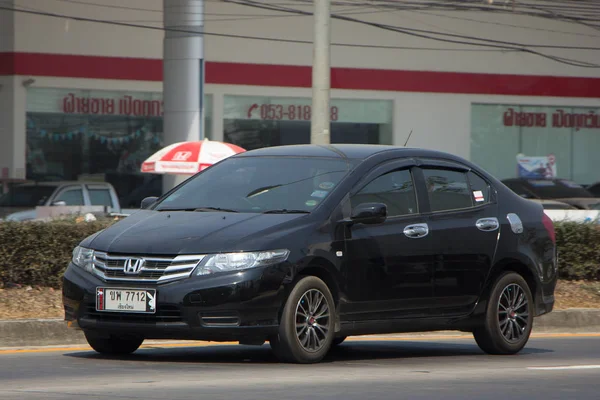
(182, 155)
(133, 266)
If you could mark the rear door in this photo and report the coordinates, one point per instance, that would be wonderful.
(462, 215)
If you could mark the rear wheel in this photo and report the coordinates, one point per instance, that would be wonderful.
(509, 316)
(306, 326)
(113, 344)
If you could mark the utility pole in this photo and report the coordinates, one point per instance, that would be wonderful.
(183, 75)
(321, 74)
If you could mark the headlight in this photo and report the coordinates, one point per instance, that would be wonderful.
(83, 258)
(238, 261)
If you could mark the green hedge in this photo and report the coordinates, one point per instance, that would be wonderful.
(37, 253)
(578, 250)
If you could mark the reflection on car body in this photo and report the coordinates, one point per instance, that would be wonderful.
(311, 244)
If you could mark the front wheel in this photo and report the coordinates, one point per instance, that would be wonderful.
(509, 316)
(112, 344)
(307, 323)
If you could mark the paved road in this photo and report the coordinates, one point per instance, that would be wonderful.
(409, 368)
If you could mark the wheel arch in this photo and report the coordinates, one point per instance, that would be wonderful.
(519, 265)
(326, 271)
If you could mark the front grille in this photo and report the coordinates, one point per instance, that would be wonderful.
(164, 314)
(148, 269)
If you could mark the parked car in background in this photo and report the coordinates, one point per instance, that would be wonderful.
(20, 203)
(302, 246)
(594, 189)
(554, 205)
(561, 190)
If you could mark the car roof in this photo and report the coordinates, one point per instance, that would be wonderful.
(351, 151)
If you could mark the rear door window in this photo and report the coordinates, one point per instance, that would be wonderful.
(100, 197)
(447, 189)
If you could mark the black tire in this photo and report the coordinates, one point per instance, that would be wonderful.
(338, 340)
(287, 345)
(506, 328)
(113, 344)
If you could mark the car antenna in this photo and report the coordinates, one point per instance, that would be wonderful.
(408, 138)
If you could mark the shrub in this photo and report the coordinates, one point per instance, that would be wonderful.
(578, 250)
(37, 253)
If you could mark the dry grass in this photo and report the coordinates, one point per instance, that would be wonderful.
(47, 303)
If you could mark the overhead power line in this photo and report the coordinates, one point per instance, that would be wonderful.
(432, 35)
(490, 45)
(295, 41)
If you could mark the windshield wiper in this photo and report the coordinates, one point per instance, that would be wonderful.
(202, 209)
(261, 190)
(286, 211)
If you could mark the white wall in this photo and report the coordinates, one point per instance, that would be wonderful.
(58, 35)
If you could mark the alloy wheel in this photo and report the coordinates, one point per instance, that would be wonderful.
(312, 320)
(513, 313)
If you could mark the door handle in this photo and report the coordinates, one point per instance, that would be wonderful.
(416, 231)
(487, 224)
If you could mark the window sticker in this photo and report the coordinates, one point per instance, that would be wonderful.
(311, 203)
(319, 193)
(326, 185)
(478, 195)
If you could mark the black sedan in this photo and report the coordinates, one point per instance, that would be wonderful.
(302, 246)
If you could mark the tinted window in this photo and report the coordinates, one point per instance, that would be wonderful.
(26, 196)
(258, 184)
(100, 197)
(72, 197)
(448, 190)
(394, 189)
(480, 189)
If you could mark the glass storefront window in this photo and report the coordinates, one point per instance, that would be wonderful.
(253, 121)
(569, 135)
(97, 136)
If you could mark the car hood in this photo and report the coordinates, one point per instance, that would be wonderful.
(171, 233)
(6, 211)
(19, 214)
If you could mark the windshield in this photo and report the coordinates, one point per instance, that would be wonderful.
(556, 189)
(260, 184)
(26, 196)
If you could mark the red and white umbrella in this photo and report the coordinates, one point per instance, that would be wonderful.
(189, 157)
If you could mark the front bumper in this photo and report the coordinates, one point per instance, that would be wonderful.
(226, 307)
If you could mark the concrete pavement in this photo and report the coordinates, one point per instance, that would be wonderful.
(551, 367)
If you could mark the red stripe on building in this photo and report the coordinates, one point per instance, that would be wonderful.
(143, 69)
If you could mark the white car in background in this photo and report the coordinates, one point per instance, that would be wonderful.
(21, 201)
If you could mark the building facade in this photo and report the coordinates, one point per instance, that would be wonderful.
(83, 99)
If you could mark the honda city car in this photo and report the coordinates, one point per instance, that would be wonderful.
(302, 246)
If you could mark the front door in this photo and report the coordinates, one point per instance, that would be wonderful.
(464, 229)
(389, 266)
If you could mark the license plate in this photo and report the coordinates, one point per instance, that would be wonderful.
(126, 300)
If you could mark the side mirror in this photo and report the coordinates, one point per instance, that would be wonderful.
(369, 213)
(59, 203)
(148, 201)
